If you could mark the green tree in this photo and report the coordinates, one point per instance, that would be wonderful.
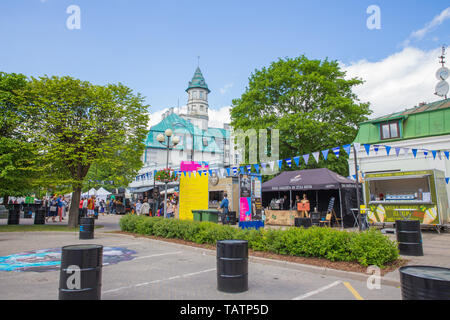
(309, 102)
(76, 124)
(17, 154)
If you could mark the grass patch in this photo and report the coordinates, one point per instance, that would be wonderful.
(37, 228)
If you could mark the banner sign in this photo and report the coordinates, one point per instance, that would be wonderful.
(193, 195)
(245, 205)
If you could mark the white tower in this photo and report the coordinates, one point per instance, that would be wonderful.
(197, 106)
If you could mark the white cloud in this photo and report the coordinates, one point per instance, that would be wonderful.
(226, 87)
(400, 81)
(437, 20)
(218, 117)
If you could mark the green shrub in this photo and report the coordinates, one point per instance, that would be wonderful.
(370, 247)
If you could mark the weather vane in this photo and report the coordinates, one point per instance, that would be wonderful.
(442, 74)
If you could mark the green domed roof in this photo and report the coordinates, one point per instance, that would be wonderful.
(198, 81)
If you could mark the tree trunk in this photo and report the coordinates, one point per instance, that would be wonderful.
(73, 212)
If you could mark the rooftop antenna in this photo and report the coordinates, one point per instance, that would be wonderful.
(442, 74)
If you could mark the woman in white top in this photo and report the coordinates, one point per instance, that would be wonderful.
(169, 209)
(145, 208)
(138, 207)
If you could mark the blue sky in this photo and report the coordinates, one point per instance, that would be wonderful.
(152, 46)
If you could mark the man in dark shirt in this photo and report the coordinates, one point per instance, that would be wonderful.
(286, 204)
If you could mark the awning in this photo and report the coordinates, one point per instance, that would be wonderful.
(169, 191)
(143, 189)
(416, 176)
(312, 179)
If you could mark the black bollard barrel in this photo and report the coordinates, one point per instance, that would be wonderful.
(86, 228)
(39, 216)
(409, 237)
(232, 266)
(14, 215)
(425, 283)
(81, 272)
(303, 222)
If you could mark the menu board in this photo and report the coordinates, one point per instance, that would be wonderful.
(250, 197)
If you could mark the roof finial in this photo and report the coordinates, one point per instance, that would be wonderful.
(198, 61)
(442, 74)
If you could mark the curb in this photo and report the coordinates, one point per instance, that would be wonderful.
(297, 266)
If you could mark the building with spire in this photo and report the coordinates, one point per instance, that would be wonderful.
(198, 141)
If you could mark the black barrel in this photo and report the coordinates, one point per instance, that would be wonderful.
(14, 215)
(232, 266)
(87, 228)
(425, 283)
(81, 272)
(39, 216)
(303, 222)
(409, 237)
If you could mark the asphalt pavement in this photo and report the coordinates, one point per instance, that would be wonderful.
(162, 270)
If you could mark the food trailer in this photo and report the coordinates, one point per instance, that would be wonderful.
(413, 195)
(217, 187)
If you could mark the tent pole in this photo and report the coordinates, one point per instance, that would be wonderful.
(290, 199)
(340, 203)
(357, 188)
(317, 199)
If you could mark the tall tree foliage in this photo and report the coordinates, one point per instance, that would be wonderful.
(309, 101)
(76, 124)
(17, 155)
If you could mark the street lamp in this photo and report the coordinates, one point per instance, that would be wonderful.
(175, 140)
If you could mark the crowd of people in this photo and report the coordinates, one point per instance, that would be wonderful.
(57, 206)
(146, 207)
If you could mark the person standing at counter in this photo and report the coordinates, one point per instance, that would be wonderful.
(286, 204)
(305, 200)
(297, 200)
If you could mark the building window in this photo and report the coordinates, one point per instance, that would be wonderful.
(390, 130)
(201, 95)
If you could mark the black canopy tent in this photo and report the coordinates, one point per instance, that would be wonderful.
(328, 183)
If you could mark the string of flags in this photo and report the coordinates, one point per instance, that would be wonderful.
(305, 158)
(102, 181)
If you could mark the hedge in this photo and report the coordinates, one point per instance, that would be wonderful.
(369, 247)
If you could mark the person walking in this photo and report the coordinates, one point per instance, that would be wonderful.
(169, 209)
(60, 208)
(91, 206)
(53, 209)
(224, 206)
(145, 208)
(85, 205)
(80, 207)
(138, 207)
(102, 207)
(113, 206)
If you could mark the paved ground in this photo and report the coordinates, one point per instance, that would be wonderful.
(162, 270)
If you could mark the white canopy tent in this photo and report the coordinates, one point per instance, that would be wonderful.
(102, 194)
(90, 193)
